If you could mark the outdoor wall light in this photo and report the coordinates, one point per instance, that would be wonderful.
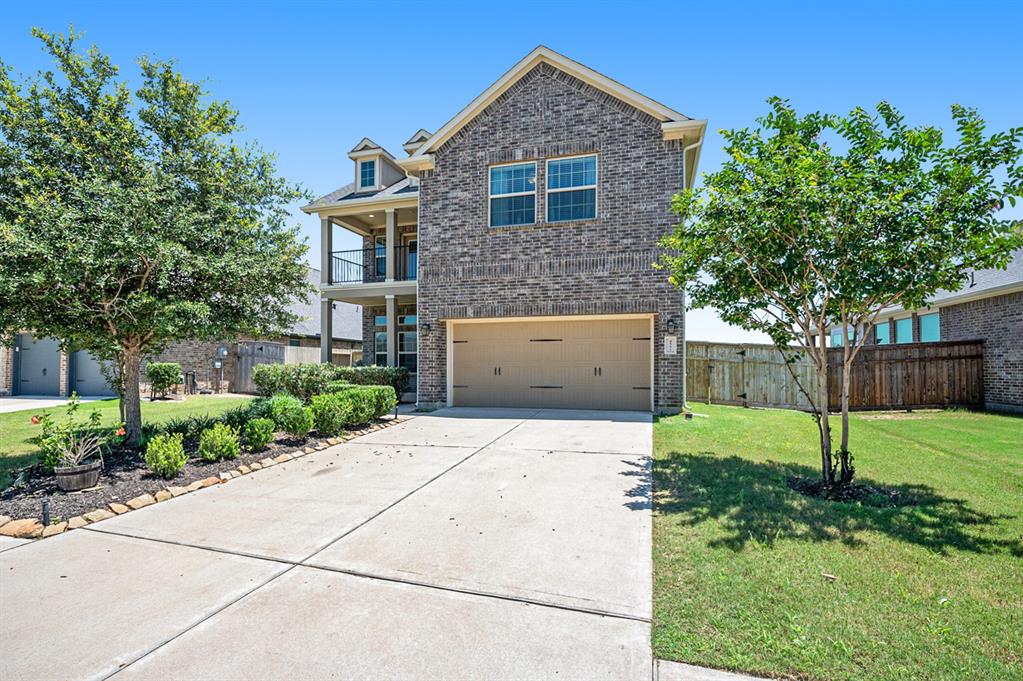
(425, 329)
(671, 326)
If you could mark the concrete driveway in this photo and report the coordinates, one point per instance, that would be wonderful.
(462, 544)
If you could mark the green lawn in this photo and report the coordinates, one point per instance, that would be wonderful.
(16, 429)
(931, 591)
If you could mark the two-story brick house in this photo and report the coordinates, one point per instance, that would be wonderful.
(507, 260)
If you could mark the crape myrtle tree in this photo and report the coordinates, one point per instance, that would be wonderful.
(130, 218)
(820, 220)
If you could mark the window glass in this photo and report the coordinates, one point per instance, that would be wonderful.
(836, 338)
(883, 333)
(904, 330)
(407, 320)
(513, 195)
(572, 172)
(380, 320)
(407, 341)
(294, 342)
(930, 328)
(380, 348)
(380, 253)
(572, 189)
(367, 174)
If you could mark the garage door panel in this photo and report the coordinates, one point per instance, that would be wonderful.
(582, 364)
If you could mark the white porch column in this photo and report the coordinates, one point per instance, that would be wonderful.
(391, 241)
(392, 331)
(326, 307)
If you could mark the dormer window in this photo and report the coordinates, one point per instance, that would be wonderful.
(368, 174)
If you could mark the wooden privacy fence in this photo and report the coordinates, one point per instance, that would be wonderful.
(915, 375)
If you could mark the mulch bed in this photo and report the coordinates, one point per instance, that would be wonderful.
(867, 495)
(125, 476)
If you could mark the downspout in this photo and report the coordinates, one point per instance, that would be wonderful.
(682, 343)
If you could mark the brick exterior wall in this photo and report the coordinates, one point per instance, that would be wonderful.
(999, 322)
(601, 266)
(198, 356)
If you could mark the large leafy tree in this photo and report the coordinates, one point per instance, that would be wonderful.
(822, 220)
(130, 219)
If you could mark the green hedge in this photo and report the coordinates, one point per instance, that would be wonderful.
(352, 406)
(396, 377)
(300, 380)
(305, 380)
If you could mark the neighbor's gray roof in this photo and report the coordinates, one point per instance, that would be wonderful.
(347, 317)
(983, 280)
(347, 193)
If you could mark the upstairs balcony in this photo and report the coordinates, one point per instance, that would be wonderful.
(369, 265)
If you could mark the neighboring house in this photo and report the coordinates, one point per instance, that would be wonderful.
(988, 308)
(507, 260)
(39, 367)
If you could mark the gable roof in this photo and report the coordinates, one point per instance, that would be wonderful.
(675, 125)
(365, 144)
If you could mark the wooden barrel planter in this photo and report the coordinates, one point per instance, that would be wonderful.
(75, 478)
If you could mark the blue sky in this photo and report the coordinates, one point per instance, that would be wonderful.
(311, 79)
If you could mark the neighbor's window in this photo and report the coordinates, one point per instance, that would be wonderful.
(883, 333)
(836, 338)
(930, 328)
(368, 174)
(513, 195)
(904, 330)
(572, 189)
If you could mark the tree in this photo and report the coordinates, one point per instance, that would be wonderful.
(821, 220)
(129, 220)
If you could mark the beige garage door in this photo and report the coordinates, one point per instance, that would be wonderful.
(568, 364)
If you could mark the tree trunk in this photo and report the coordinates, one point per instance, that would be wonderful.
(131, 402)
(844, 457)
(827, 470)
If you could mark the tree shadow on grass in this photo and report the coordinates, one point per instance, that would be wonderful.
(751, 502)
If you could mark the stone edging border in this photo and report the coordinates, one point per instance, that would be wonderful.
(31, 528)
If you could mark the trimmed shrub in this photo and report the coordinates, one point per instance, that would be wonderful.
(396, 377)
(218, 443)
(299, 380)
(350, 406)
(281, 406)
(165, 455)
(259, 433)
(337, 387)
(299, 422)
(163, 376)
(331, 413)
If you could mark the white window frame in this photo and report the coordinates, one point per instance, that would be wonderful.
(548, 191)
(376, 173)
(491, 196)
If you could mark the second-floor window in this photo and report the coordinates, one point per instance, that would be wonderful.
(572, 189)
(367, 174)
(930, 328)
(513, 195)
(883, 333)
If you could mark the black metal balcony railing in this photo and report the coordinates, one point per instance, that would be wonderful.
(368, 265)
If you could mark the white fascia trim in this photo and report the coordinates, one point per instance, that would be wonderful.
(401, 201)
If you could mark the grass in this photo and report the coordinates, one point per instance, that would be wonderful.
(17, 431)
(930, 591)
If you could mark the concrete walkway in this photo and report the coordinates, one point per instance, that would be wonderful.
(462, 544)
(22, 403)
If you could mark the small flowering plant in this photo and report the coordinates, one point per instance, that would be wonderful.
(70, 442)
